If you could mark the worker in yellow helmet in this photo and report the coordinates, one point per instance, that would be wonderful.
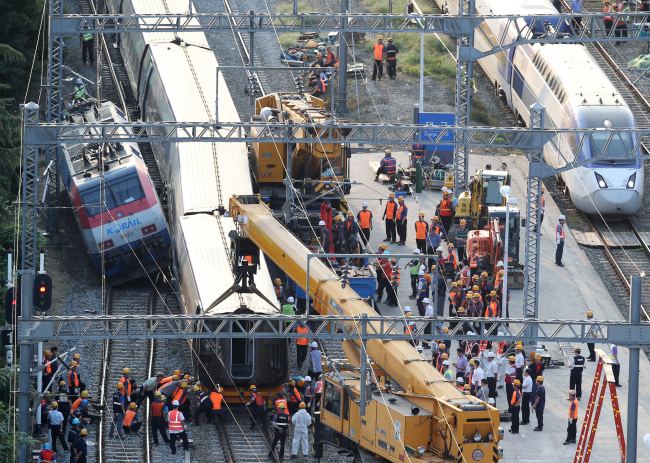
(277, 287)
(380, 56)
(389, 216)
(540, 402)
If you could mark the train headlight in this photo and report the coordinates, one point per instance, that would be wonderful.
(477, 436)
(601, 181)
(421, 450)
(631, 181)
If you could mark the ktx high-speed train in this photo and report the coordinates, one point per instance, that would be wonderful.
(173, 77)
(116, 205)
(576, 93)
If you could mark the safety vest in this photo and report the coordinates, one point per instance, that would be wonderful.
(180, 394)
(302, 341)
(47, 456)
(423, 284)
(501, 347)
(216, 399)
(157, 408)
(436, 229)
(73, 379)
(516, 397)
(511, 378)
(379, 51)
(282, 420)
(48, 368)
(473, 261)
(453, 259)
(467, 276)
(452, 295)
(330, 58)
(560, 230)
(294, 395)
(278, 291)
(497, 278)
(627, 18)
(418, 152)
(392, 273)
(445, 207)
(402, 209)
(491, 310)
(415, 266)
(482, 346)
(79, 92)
(259, 400)
(390, 163)
(321, 85)
(449, 376)
(75, 405)
(128, 418)
(287, 309)
(127, 385)
(286, 406)
(175, 421)
(364, 218)
(408, 329)
(390, 209)
(420, 230)
(608, 9)
(117, 404)
(574, 402)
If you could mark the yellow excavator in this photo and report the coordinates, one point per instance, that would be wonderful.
(484, 191)
(427, 420)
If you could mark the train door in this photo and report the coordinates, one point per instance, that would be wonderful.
(242, 354)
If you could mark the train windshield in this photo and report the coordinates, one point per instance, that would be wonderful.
(621, 144)
(114, 193)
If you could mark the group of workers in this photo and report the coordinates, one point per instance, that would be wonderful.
(318, 78)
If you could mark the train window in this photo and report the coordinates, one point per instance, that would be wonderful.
(242, 355)
(332, 399)
(112, 194)
(620, 145)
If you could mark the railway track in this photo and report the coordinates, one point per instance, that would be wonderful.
(240, 444)
(136, 355)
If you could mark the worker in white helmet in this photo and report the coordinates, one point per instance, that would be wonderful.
(325, 238)
(364, 218)
(315, 365)
(559, 239)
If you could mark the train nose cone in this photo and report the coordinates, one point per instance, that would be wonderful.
(617, 201)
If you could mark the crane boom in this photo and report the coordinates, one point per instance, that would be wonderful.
(421, 381)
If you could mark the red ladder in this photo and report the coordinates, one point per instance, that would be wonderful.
(598, 390)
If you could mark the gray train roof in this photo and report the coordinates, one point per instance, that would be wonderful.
(172, 6)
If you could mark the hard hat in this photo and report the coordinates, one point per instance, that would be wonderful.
(84, 432)
(475, 288)
(467, 387)
(281, 406)
(338, 217)
(577, 350)
(73, 364)
(126, 370)
(484, 274)
(572, 392)
(387, 151)
(540, 379)
(562, 218)
(460, 380)
(409, 314)
(445, 362)
(163, 397)
(314, 344)
(252, 386)
(177, 373)
(392, 259)
(538, 356)
(407, 309)
(439, 248)
(175, 403)
(500, 263)
(175, 378)
(392, 195)
(423, 267)
(500, 333)
(76, 356)
(445, 329)
(196, 388)
(120, 386)
(133, 406)
(307, 378)
(519, 347)
(400, 198)
(454, 284)
(418, 348)
(416, 251)
(78, 81)
(474, 277)
(421, 273)
(157, 394)
(463, 222)
(301, 382)
(321, 223)
(543, 188)
(516, 382)
(386, 253)
(61, 383)
(84, 393)
(318, 55)
(350, 214)
(47, 352)
(445, 192)
(55, 404)
(519, 342)
(421, 214)
(183, 384)
(186, 377)
(451, 245)
(445, 356)
(470, 294)
(441, 346)
(47, 447)
(364, 205)
(493, 293)
(500, 272)
(475, 245)
(390, 39)
(512, 358)
(75, 421)
(490, 355)
(590, 314)
(277, 281)
(425, 300)
(476, 295)
(290, 300)
(382, 246)
(302, 405)
(292, 383)
(491, 401)
(461, 310)
(435, 217)
(84, 402)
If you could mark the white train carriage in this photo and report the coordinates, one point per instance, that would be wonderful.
(175, 80)
(576, 93)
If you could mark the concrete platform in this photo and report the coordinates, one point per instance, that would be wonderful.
(567, 292)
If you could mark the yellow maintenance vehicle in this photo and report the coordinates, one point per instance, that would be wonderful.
(431, 421)
(484, 191)
(319, 171)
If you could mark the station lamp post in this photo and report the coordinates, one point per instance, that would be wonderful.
(505, 192)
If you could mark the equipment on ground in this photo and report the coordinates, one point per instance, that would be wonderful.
(432, 421)
(484, 191)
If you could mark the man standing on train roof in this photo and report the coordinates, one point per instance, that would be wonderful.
(389, 217)
(391, 59)
(446, 211)
(379, 55)
(387, 166)
(364, 217)
(559, 239)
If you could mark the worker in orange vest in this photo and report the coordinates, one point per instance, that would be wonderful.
(491, 309)
(389, 217)
(379, 55)
(515, 406)
(126, 372)
(301, 344)
(177, 428)
(330, 58)
(400, 216)
(281, 400)
(257, 406)
(159, 418)
(421, 228)
(446, 211)
(47, 372)
(294, 397)
(473, 259)
(132, 423)
(74, 381)
(277, 287)
(573, 419)
(364, 217)
(219, 405)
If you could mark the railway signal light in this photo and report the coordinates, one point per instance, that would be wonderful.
(12, 304)
(42, 292)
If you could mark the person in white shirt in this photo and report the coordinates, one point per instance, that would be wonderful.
(301, 421)
(526, 391)
(474, 377)
(491, 374)
(428, 312)
(520, 361)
